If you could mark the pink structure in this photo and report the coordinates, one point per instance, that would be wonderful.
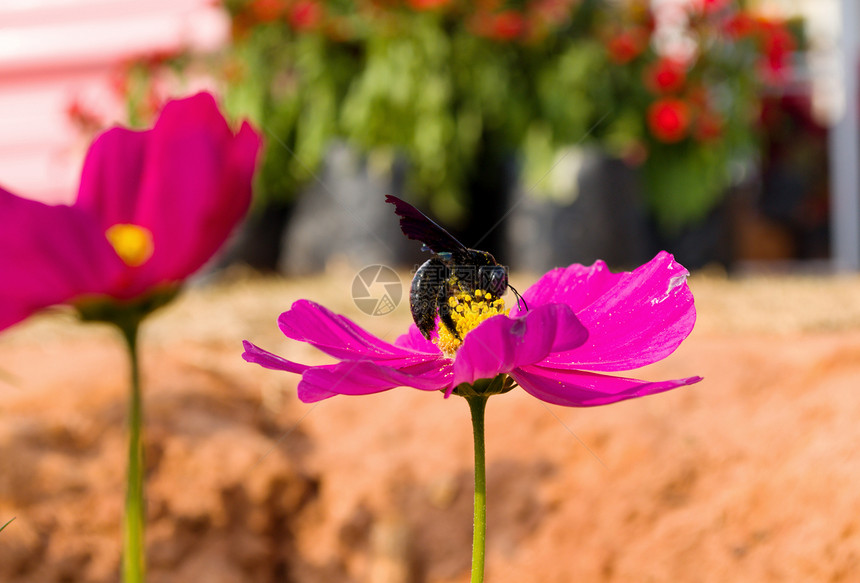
(57, 52)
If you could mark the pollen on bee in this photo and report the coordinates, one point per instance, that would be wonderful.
(467, 312)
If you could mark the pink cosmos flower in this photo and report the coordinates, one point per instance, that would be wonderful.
(153, 206)
(581, 322)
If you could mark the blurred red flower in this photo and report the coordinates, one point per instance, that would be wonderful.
(267, 10)
(711, 6)
(627, 45)
(740, 25)
(305, 14)
(777, 44)
(427, 5)
(669, 119)
(551, 10)
(502, 26)
(666, 75)
(507, 25)
(83, 117)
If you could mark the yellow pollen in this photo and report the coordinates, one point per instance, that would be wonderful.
(467, 312)
(132, 243)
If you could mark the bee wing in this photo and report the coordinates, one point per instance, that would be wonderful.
(418, 226)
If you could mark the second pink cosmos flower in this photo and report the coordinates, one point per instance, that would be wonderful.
(153, 206)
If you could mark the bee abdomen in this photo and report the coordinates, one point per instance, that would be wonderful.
(429, 279)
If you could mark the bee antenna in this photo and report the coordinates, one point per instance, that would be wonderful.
(519, 298)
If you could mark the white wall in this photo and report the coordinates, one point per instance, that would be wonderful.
(53, 52)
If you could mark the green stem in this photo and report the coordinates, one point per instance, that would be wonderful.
(477, 405)
(133, 555)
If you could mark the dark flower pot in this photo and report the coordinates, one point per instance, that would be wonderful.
(599, 216)
(342, 216)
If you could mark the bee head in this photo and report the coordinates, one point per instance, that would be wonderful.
(494, 279)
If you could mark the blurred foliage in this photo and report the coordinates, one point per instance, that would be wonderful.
(675, 93)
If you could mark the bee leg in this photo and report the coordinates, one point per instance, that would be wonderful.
(423, 313)
(427, 284)
(445, 314)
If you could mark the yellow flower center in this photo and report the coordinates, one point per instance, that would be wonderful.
(132, 243)
(467, 311)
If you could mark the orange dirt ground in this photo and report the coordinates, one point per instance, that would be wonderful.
(752, 475)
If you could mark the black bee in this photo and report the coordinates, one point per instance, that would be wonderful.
(455, 269)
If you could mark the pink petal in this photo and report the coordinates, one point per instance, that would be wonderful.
(414, 340)
(338, 336)
(501, 344)
(111, 176)
(633, 318)
(196, 185)
(365, 377)
(187, 180)
(49, 255)
(266, 359)
(583, 389)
